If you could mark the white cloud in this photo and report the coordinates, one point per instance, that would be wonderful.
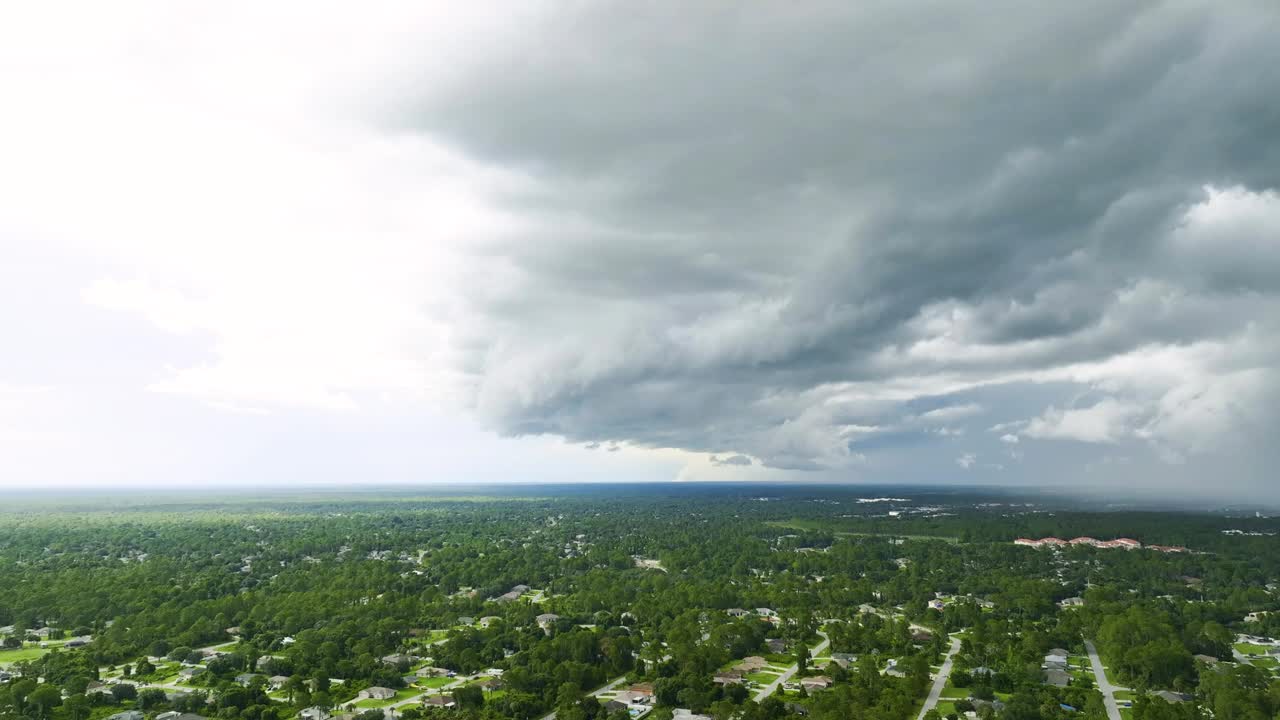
(967, 460)
(951, 413)
(1107, 421)
(1009, 438)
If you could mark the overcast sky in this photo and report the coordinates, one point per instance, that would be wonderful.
(952, 242)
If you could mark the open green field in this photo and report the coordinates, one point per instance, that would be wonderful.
(1265, 662)
(434, 682)
(1251, 649)
(801, 524)
(762, 677)
(8, 657)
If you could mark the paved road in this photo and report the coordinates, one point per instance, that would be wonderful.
(939, 682)
(1104, 685)
(787, 674)
(595, 693)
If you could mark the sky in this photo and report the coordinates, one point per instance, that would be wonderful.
(1005, 243)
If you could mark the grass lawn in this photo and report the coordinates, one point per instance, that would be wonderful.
(401, 696)
(1126, 695)
(945, 708)
(955, 692)
(1266, 662)
(434, 682)
(764, 678)
(19, 654)
(1251, 649)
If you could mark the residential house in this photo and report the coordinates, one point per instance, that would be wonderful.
(127, 715)
(428, 671)
(1071, 602)
(1207, 659)
(766, 613)
(728, 677)
(314, 713)
(1063, 652)
(687, 714)
(645, 689)
(489, 620)
(546, 620)
(174, 715)
(277, 682)
(466, 620)
(262, 662)
(614, 705)
(191, 673)
(996, 705)
(776, 645)
(1057, 678)
(396, 659)
(376, 693)
(490, 684)
(819, 682)
(921, 636)
(844, 660)
(244, 679)
(1173, 697)
(738, 612)
(443, 701)
(937, 605)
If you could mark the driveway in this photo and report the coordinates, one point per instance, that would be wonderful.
(939, 682)
(790, 672)
(1104, 685)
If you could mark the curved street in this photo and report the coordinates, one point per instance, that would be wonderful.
(940, 682)
(1108, 690)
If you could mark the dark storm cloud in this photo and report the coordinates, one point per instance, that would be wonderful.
(756, 230)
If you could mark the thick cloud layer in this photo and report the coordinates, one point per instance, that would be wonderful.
(866, 235)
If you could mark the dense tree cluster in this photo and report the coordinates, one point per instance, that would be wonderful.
(323, 593)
